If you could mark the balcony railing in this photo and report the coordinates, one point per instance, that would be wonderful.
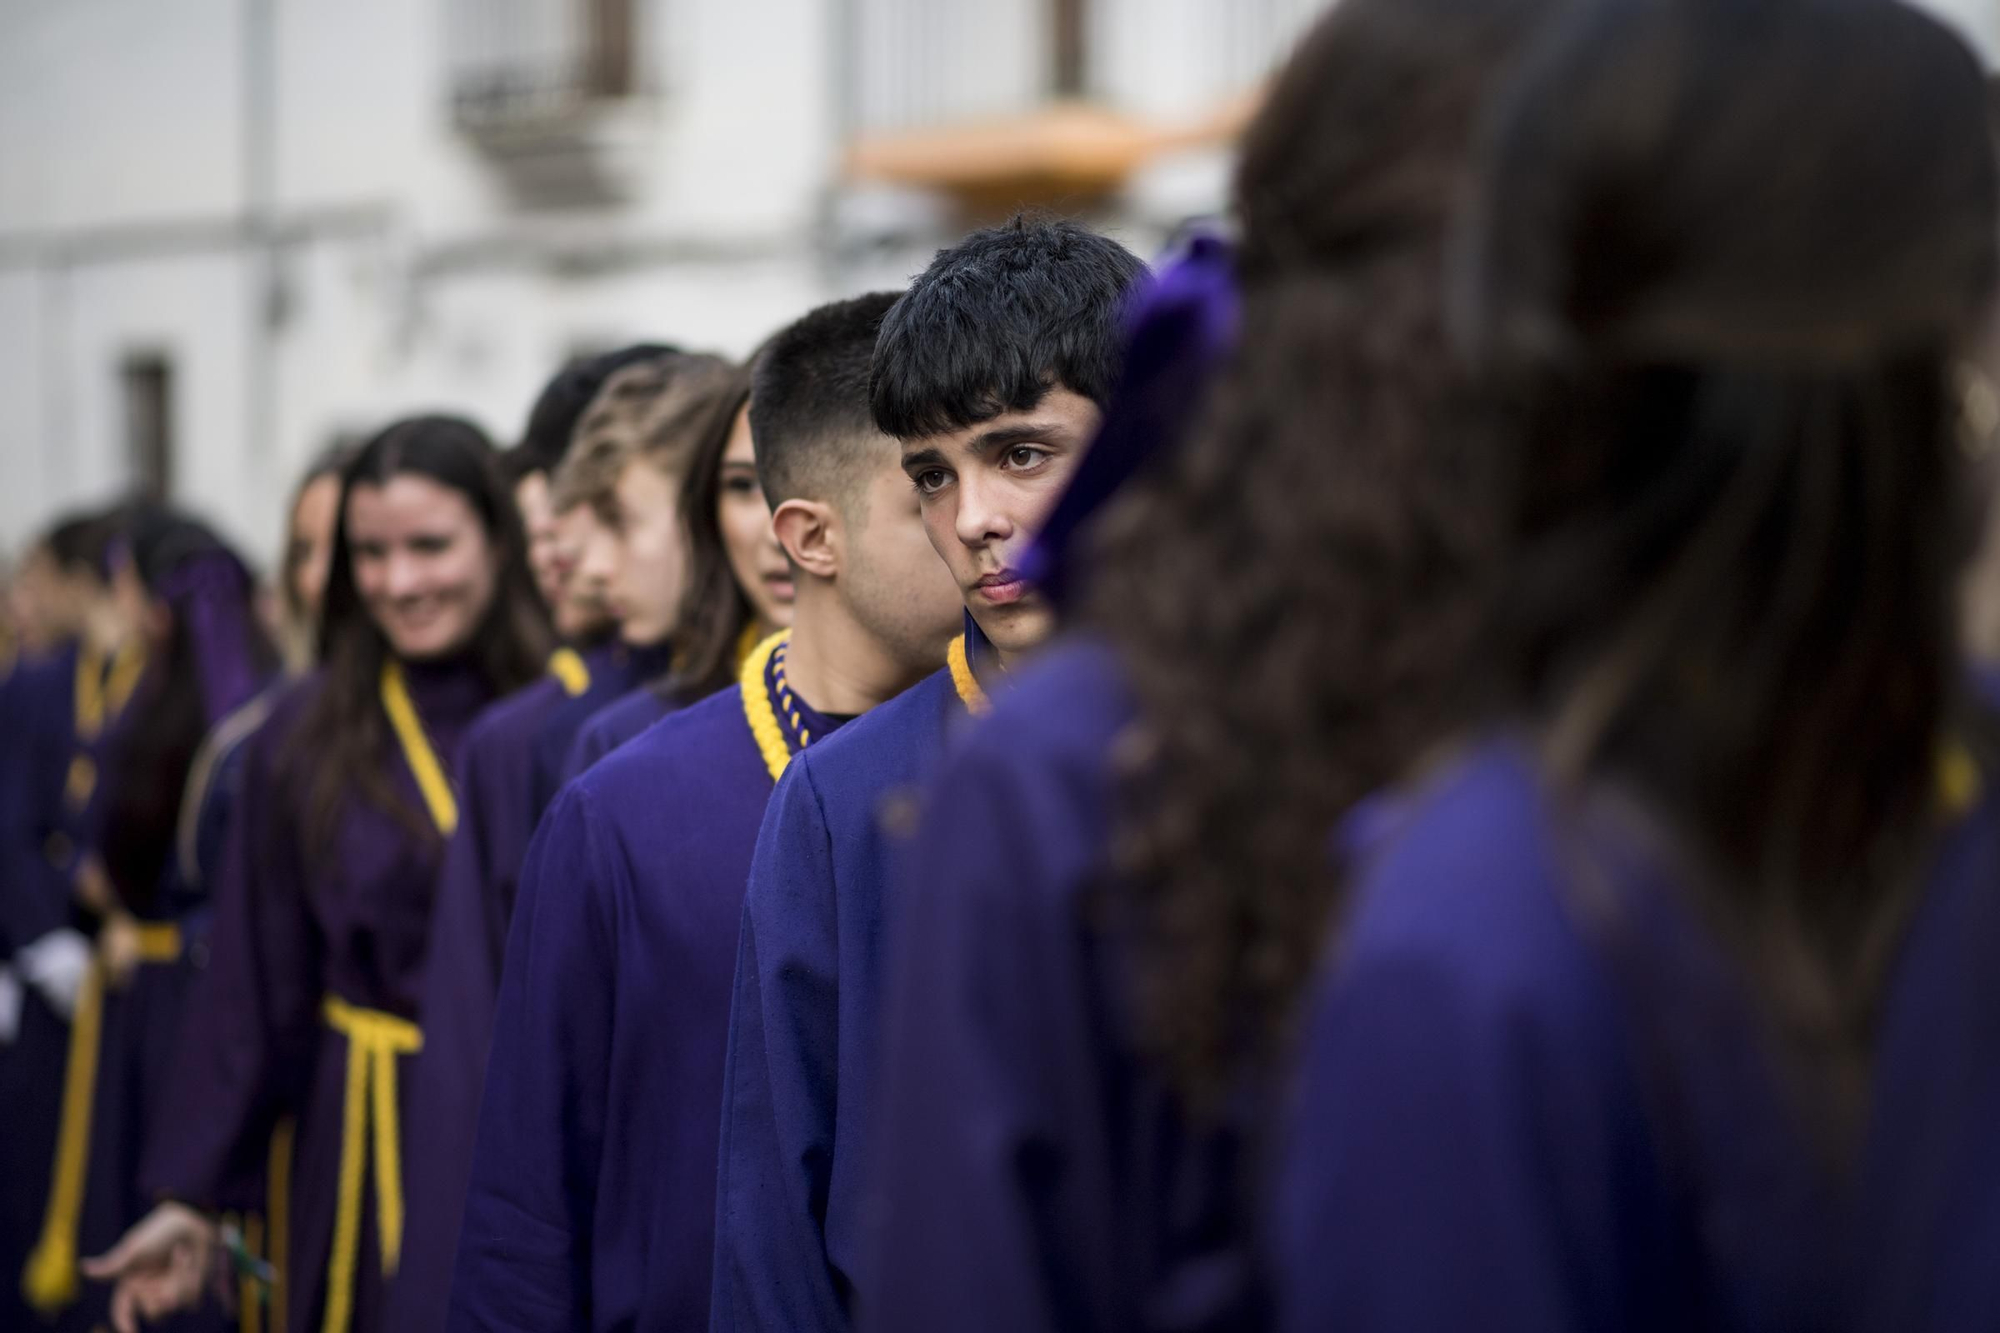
(554, 91)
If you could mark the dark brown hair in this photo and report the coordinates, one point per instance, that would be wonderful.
(1290, 597)
(343, 730)
(1723, 261)
(714, 609)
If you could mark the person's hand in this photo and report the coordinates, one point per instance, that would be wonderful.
(118, 949)
(161, 1266)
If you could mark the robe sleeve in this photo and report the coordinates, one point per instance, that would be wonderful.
(524, 1257)
(776, 1157)
(1450, 1164)
(252, 1024)
(999, 1207)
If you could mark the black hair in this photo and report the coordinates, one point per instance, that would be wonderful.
(154, 746)
(553, 419)
(80, 543)
(340, 742)
(809, 399)
(999, 320)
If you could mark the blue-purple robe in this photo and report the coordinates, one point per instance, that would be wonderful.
(592, 1201)
(616, 669)
(1032, 1170)
(37, 711)
(501, 786)
(1534, 1094)
(617, 724)
(800, 1087)
(291, 928)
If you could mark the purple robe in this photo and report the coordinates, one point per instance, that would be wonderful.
(799, 1091)
(592, 1201)
(616, 669)
(293, 927)
(1534, 1093)
(37, 710)
(500, 768)
(1033, 1171)
(616, 725)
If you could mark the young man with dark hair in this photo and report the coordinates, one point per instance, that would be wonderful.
(592, 1199)
(992, 373)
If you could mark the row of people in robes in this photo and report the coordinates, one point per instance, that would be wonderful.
(1503, 844)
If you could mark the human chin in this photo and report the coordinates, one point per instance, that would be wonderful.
(429, 633)
(1018, 627)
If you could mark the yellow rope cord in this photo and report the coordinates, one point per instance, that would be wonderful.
(417, 751)
(159, 942)
(50, 1278)
(278, 1203)
(89, 692)
(568, 666)
(757, 710)
(98, 701)
(249, 1300)
(374, 1040)
(50, 1281)
(962, 679)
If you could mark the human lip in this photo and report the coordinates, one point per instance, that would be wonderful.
(1001, 587)
(780, 587)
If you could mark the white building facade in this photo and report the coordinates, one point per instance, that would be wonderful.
(232, 231)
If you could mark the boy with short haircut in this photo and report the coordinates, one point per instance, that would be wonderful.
(992, 373)
(592, 1202)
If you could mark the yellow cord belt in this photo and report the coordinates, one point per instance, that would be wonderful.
(374, 1040)
(49, 1281)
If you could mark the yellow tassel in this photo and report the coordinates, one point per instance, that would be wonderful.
(757, 710)
(50, 1280)
(962, 679)
(567, 666)
(374, 1040)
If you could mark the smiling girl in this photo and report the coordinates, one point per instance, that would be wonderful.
(323, 901)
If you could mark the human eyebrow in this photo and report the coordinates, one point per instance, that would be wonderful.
(1005, 437)
(923, 458)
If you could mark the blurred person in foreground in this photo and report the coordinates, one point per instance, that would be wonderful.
(1664, 998)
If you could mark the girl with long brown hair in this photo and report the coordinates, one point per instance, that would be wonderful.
(309, 1001)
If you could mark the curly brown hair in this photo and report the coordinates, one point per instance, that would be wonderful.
(1289, 594)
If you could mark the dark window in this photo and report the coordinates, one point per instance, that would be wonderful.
(1068, 53)
(148, 379)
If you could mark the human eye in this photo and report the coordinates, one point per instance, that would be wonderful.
(1024, 457)
(930, 480)
(431, 543)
